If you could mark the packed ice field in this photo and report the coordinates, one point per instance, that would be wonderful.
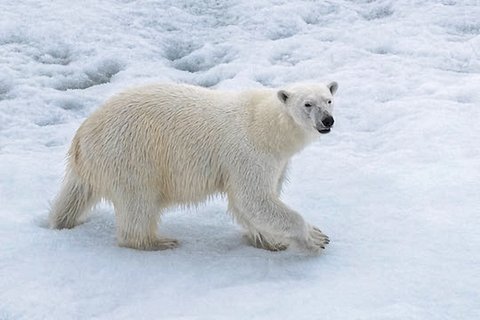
(395, 185)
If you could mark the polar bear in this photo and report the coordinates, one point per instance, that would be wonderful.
(157, 146)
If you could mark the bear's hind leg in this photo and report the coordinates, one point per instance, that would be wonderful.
(137, 221)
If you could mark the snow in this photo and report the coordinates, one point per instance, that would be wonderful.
(395, 185)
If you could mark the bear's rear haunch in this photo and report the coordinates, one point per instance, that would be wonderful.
(157, 146)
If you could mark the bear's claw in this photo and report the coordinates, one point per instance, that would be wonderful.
(316, 240)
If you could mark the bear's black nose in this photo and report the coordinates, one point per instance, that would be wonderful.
(328, 121)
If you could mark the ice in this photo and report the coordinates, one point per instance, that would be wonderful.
(100, 72)
(394, 185)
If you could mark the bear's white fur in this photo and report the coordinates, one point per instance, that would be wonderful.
(156, 146)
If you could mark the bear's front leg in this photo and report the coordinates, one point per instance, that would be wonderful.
(258, 239)
(262, 211)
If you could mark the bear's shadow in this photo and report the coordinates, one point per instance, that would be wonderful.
(215, 235)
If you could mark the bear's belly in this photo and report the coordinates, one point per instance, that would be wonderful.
(189, 186)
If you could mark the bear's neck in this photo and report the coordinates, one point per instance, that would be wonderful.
(275, 131)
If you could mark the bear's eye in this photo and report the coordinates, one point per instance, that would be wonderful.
(329, 101)
(308, 105)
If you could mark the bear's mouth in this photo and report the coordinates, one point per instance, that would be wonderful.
(324, 130)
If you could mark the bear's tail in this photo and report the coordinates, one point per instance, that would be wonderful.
(72, 203)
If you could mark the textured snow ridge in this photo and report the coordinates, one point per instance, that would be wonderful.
(395, 185)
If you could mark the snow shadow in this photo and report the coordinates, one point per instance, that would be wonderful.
(100, 73)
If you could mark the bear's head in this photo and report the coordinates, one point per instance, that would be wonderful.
(310, 105)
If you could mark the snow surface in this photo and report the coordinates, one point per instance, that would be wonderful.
(395, 185)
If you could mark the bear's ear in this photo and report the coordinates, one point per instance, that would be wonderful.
(332, 86)
(283, 95)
